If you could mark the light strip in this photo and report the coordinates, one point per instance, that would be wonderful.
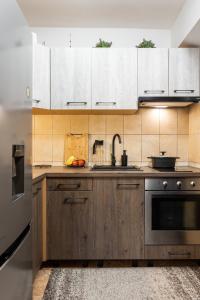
(161, 106)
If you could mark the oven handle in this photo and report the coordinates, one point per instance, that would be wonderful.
(179, 254)
(166, 193)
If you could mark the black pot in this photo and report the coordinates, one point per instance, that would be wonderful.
(162, 161)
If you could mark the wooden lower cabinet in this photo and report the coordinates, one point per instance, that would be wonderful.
(99, 218)
(119, 218)
(104, 223)
(37, 227)
(172, 252)
(70, 225)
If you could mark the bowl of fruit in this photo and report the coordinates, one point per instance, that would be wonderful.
(73, 162)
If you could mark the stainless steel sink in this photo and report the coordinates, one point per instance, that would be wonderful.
(115, 168)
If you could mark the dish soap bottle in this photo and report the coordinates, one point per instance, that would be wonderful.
(124, 159)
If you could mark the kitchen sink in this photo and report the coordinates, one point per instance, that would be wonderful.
(115, 168)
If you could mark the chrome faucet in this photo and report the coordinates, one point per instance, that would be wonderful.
(113, 159)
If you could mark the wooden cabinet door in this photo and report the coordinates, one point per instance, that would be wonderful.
(152, 72)
(114, 78)
(41, 76)
(70, 225)
(119, 218)
(184, 72)
(37, 228)
(71, 78)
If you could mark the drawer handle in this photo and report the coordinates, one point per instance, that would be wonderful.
(106, 102)
(184, 91)
(154, 91)
(120, 186)
(76, 102)
(68, 186)
(36, 101)
(75, 200)
(179, 254)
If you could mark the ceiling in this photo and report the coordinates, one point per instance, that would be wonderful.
(193, 38)
(154, 14)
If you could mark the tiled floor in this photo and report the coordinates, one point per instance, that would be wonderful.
(40, 283)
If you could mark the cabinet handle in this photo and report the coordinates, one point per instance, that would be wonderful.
(184, 91)
(179, 254)
(75, 200)
(76, 102)
(120, 186)
(36, 101)
(106, 102)
(154, 91)
(68, 186)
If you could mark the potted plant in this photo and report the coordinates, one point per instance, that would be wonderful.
(103, 44)
(146, 44)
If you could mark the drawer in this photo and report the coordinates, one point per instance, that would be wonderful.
(69, 184)
(130, 184)
(173, 252)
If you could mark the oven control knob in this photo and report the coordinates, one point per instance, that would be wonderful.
(192, 183)
(179, 183)
(165, 183)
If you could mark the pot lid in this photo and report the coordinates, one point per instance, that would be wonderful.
(164, 157)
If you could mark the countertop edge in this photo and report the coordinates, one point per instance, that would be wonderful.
(87, 173)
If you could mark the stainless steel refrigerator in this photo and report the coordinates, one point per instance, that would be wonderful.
(15, 154)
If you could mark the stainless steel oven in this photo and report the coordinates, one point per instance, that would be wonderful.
(172, 211)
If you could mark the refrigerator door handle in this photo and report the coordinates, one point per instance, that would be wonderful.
(7, 255)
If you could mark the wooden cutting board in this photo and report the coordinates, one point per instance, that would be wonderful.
(76, 145)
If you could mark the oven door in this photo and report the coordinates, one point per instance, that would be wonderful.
(172, 217)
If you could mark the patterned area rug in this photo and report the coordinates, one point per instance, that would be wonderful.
(157, 283)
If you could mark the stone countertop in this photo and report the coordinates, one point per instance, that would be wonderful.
(40, 173)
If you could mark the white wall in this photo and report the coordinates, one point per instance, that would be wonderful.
(186, 20)
(88, 37)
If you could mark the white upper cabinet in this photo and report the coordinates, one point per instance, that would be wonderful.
(153, 72)
(114, 78)
(184, 72)
(71, 78)
(41, 76)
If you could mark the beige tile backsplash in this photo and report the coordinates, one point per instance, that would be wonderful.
(79, 124)
(143, 134)
(97, 124)
(43, 124)
(133, 124)
(114, 124)
(150, 146)
(194, 134)
(150, 121)
(168, 121)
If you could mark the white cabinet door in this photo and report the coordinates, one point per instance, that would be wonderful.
(114, 78)
(41, 76)
(71, 78)
(184, 72)
(152, 72)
